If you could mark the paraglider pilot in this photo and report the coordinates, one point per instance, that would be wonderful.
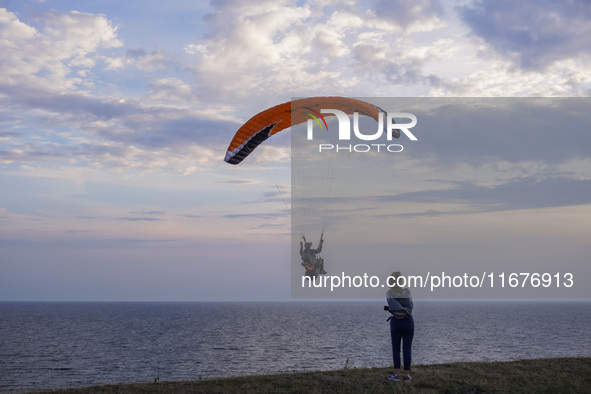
(313, 263)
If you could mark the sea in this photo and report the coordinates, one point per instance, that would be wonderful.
(50, 345)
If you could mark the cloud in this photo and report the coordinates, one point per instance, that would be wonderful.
(399, 65)
(250, 55)
(251, 47)
(135, 219)
(151, 213)
(74, 103)
(242, 182)
(498, 77)
(381, 48)
(47, 57)
(122, 155)
(171, 90)
(532, 34)
(280, 47)
(46, 71)
(93, 243)
(488, 130)
(14, 29)
(142, 60)
(256, 215)
(523, 193)
(409, 15)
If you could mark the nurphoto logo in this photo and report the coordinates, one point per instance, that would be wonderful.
(393, 130)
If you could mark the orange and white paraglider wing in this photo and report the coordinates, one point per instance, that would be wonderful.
(271, 121)
(256, 130)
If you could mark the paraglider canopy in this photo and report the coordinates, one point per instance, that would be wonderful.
(316, 188)
(275, 119)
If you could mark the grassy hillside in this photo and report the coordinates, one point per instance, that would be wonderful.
(560, 375)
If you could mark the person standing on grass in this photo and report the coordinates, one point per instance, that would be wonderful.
(402, 325)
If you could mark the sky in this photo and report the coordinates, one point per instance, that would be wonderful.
(115, 118)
